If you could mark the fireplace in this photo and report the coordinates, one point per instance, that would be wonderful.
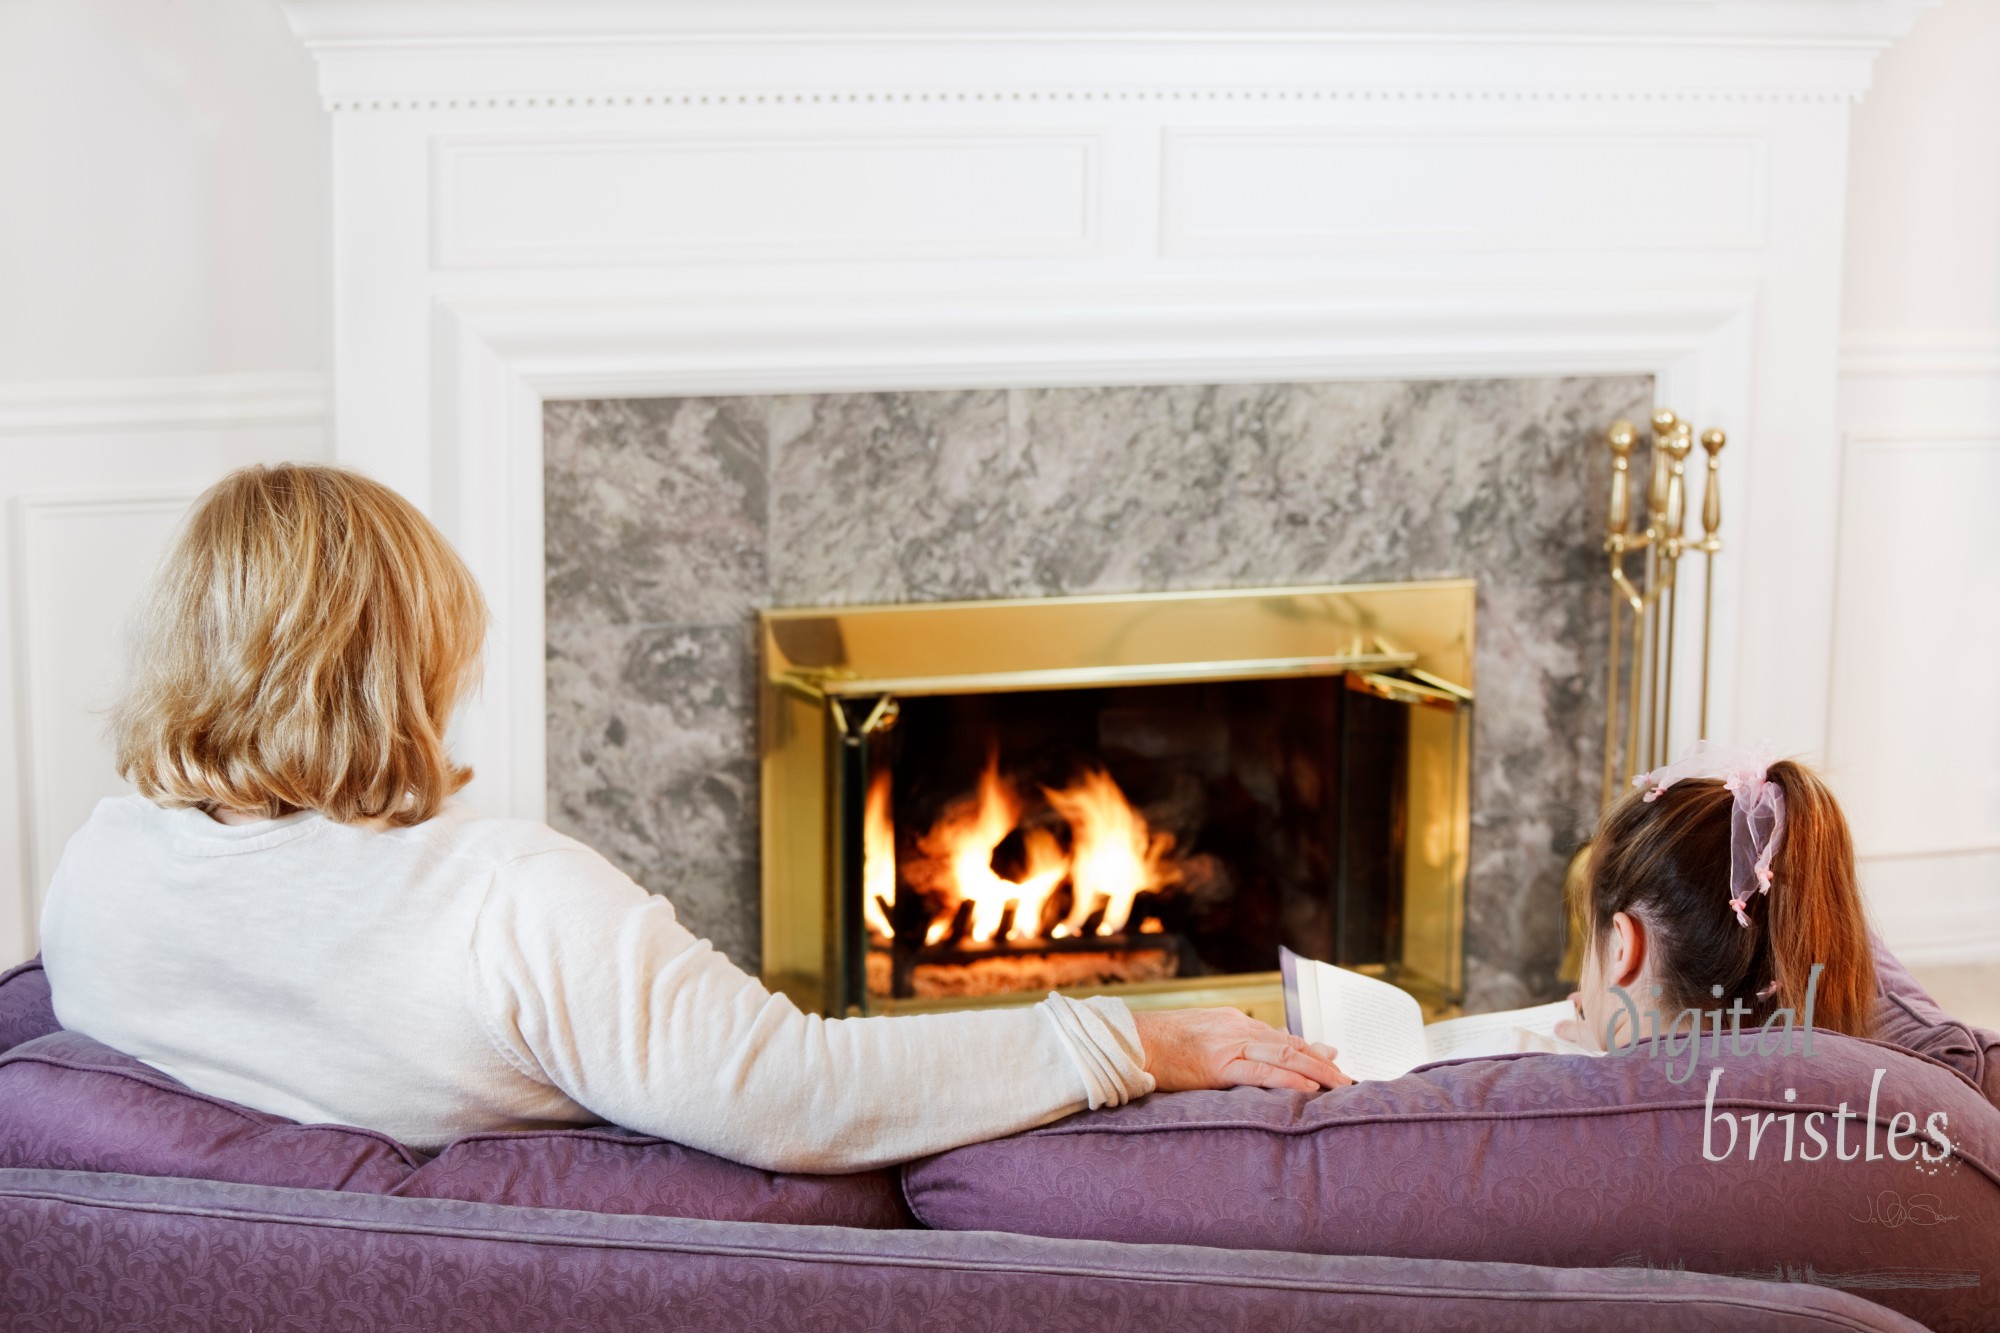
(975, 803)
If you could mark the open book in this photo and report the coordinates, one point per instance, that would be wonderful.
(1380, 1031)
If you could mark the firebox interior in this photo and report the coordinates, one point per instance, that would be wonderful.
(1147, 796)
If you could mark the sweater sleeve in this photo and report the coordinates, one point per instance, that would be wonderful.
(586, 981)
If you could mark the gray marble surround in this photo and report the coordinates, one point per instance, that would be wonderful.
(671, 521)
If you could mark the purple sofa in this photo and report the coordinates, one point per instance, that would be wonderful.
(1528, 1192)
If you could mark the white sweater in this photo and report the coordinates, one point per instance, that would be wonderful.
(474, 974)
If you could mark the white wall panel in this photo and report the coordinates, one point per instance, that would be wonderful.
(621, 200)
(93, 477)
(1249, 192)
(1913, 722)
(84, 562)
(1937, 909)
(1916, 722)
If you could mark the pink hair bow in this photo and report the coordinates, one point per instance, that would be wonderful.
(1756, 818)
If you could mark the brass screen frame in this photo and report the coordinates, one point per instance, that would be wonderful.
(1410, 641)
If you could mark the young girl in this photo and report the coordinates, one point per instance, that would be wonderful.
(293, 914)
(1725, 869)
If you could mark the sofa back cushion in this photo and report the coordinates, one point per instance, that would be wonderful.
(1907, 1016)
(611, 1170)
(70, 1103)
(25, 1010)
(1915, 1023)
(1541, 1159)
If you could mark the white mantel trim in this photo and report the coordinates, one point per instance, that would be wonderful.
(462, 55)
(503, 360)
(479, 273)
(861, 97)
(430, 24)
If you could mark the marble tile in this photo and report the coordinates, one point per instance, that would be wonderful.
(652, 761)
(654, 510)
(675, 519)
(888, 497)
(1514, 910)
(1120, 489)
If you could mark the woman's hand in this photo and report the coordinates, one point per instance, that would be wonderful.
(1226, 1048)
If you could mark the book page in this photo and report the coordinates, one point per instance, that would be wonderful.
(1377, 1028)
(1499, 1033)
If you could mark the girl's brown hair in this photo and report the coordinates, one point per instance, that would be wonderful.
(302, 649)
(1666, 862)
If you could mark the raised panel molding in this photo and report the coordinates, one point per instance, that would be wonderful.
(1944, 353)
(608, 199)
(1937, 909)
(83, 561)
(1919, 572)
(1255, 191)
(180, 402)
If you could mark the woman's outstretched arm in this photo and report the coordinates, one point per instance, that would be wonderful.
(586, 981)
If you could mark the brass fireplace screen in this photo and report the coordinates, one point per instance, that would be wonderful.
(975, 803)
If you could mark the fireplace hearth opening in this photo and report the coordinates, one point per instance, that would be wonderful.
(976, 803)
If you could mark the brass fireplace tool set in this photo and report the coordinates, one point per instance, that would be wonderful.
(1648, 681)
(1645, 685)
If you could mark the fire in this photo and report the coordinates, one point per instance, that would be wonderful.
(964, 840)
(878, 860)
(1113, 858)
(1116, 857)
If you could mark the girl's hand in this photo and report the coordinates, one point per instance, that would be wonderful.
(1226, 1048)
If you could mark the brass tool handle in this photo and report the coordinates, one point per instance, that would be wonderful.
(1711, 495)
(1678, 445)
(1621, 437)
(1665, 423)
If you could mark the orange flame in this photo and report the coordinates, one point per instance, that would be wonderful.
(878, 860)
(1116, 856)
(964, 839)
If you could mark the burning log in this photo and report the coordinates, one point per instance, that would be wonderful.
(971, 970)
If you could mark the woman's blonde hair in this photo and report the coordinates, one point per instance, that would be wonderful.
(303, 649)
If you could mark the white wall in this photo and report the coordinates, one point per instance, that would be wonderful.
(1914, 732)
(163, 318)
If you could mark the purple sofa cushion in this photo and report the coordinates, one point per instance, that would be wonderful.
(1539, 1159)
(611, 1170)
(25, 1010)
(70, 1103)
(1915, 1023)
(1907, 1016)
(125, 1252)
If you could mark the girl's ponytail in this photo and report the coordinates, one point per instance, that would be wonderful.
(1669, 856)
(1814, 908)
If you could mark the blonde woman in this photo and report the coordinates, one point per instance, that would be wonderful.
(292, 912)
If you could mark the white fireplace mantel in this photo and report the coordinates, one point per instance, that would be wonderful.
(543, 199)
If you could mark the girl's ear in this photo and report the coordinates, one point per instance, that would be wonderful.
(1628, 950)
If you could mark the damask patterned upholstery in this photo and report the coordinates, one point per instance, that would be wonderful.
(86, 1252)
(25, 1011)
(68, 1102)
(618, 1171)
(1907, 1016)
(1534, 1159)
